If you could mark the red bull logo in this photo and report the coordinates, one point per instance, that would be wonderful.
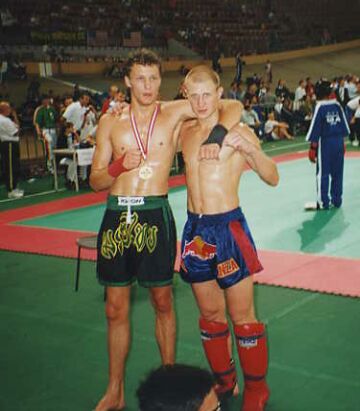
(199, 248)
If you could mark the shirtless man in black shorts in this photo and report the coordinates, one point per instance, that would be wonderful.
(137, 238)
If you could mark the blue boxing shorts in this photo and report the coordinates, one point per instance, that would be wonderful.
(218, 247)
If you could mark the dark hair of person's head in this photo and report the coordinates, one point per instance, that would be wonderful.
(174, 388)
(45, 97)
(323, 90)
(143, 57)
(84, 94)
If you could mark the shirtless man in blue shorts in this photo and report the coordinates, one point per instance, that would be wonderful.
(218, 252)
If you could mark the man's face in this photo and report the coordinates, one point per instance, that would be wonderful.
(6, 109)
(68, 101)
(210, 403)
(84, 101)
(204, 97)
(144, 83)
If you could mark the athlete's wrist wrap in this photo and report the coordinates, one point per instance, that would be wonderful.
(313, 151)
(216, 135)
(117, 167)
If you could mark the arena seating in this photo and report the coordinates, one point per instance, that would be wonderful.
(253, 27)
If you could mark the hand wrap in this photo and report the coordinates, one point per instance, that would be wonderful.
(216, 135)
(117, 167)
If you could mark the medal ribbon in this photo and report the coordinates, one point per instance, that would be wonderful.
(144, 150)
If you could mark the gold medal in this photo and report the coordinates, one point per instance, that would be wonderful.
(145, 172)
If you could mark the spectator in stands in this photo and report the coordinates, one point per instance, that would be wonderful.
(89, 125)
(309, 88)
(178, 388)
(9, 149)
(45, 119)
(251, 118)
(300, 93)
(76, 92)
(233, 92)
(352, 87)
(306, 111)
(75, 112)
(342, 93)
(250, 93)
(215, 58)
(352, 111)
(287, 115)
(239, 61)
(281, 90)
(268, 72)
(241, 91)
(113, 91)
(275, 130)
(268, 99)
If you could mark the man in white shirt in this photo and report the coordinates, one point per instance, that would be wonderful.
(300, 93)
(352, 111)
(9, 148)
(353, 87)
(251, 118)
(75, 112)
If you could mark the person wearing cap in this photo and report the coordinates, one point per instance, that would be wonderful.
(326, 135)
(9, 149)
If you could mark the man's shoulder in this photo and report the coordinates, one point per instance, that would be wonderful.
(6, 120)
(112, 121)
(173, 105)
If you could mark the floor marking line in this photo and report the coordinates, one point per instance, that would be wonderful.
(32, 195)
(292, 308)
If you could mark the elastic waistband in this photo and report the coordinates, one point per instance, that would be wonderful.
(231, 215)
(136, 202)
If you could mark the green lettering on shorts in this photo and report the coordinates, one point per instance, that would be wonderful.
(135, 233)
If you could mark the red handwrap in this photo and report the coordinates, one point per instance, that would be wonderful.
(313, 151)
(117, 167)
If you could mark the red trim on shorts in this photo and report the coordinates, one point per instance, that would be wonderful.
(247, 249)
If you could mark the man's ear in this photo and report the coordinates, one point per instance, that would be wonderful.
(127, 82)
(220, 91)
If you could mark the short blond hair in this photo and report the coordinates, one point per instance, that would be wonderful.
(201, 73)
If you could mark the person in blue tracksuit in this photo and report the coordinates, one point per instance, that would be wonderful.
(326, 135)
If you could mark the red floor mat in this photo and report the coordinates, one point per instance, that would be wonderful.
(294, 270)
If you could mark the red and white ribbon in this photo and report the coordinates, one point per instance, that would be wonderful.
(144, 150)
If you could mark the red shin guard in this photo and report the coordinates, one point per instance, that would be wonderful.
(252, 349)
(214, 337)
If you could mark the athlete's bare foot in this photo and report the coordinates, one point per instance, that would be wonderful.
(111, 401)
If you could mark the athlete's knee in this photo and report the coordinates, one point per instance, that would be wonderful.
(116, 311)
(163, 303)
(243, 316)
(213, 314)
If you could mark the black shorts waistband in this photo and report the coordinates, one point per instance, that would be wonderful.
(120, 203)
